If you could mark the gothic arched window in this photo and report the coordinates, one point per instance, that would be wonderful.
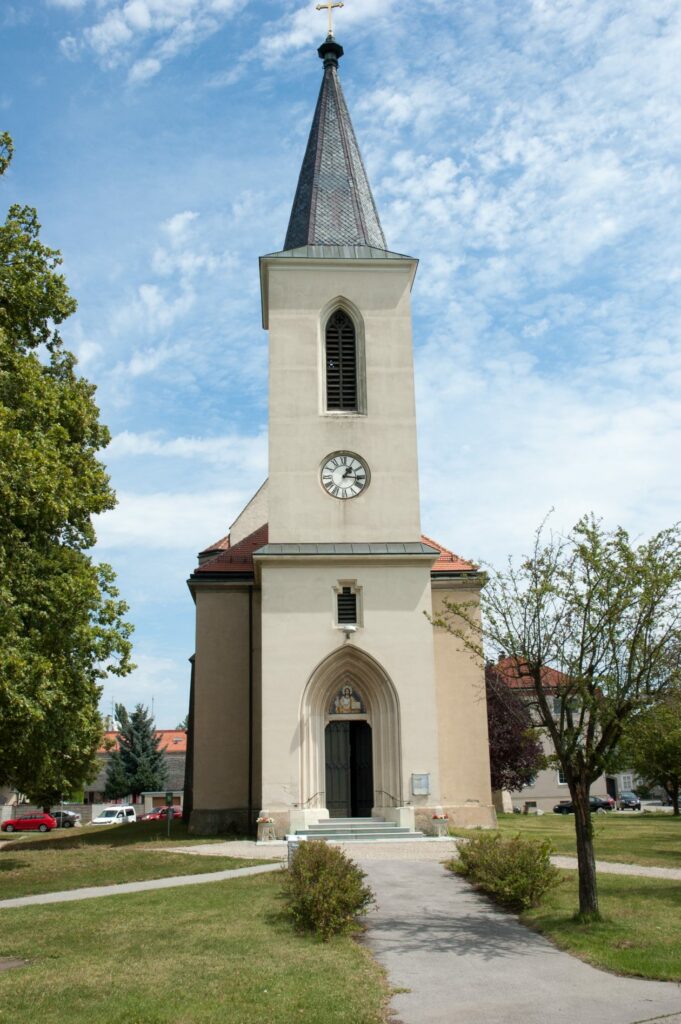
(341, 363)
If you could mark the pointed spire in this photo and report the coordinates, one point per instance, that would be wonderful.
(333, 204)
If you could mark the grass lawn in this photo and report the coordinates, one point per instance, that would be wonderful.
(628, 839)
(71, 858)
(191, 956)
(640, 931)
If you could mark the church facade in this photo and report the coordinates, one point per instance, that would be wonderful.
(320, 688)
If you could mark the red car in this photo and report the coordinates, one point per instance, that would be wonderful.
(161, 814)
(30, 823)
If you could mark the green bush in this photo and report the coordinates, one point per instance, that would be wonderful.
(324, 890)
(516, 872)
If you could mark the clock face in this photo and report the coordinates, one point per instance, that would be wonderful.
(344, 475)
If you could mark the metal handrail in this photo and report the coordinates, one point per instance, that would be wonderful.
(384, 792)
(308, 802)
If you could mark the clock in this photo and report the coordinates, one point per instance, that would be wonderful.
(344, 475)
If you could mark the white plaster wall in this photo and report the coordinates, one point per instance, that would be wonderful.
(298, 633)
(301, 434)
(251, 518)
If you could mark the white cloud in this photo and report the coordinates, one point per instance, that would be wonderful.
(158, 681)
(143, 70)
(160, 29)
(68, 5)
(69, 47)
(248, 454)
(175, 521)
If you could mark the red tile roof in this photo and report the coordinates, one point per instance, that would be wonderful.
(174, 741)
(448, 561)
(239, 558)
(510, 670)
(220, 545)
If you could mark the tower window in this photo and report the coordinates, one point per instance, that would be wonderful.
(347, 607)
(341, 363)
(348, 604)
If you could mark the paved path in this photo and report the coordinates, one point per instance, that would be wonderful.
(434, 849)
(127, 887)
(466, 962)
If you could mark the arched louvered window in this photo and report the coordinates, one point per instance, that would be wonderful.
(341, 363)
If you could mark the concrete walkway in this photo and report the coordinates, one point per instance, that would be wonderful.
(463, 961)
(432, 849)
(127, 887)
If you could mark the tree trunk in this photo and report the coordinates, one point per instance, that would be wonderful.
(675, 800)
(586, 862)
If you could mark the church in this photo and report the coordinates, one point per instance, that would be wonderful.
(320, 689)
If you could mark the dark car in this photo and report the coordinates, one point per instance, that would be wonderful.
(596, 803)
(66, 819)
(30, 823)
(629, 801)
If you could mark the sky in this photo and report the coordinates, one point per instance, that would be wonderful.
(526, 151)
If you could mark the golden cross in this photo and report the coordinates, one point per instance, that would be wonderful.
(330, 6)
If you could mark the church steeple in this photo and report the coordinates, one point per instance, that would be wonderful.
(333, 204)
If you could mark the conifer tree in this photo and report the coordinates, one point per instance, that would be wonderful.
(139, 760)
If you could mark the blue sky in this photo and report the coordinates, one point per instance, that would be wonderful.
(527, 151)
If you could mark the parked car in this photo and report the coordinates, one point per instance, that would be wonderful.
(161, 814)
(116, 816)
(66, 819)
(629, 801)
(30, 823)
(597, 804)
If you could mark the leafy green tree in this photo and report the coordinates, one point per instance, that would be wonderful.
(139, 760)
(605, 614)
(652, 745)
(62, 627)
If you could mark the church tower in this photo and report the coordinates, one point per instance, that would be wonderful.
(320, 688)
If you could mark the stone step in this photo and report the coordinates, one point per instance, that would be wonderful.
(357, 830)
(360, 837)
(323, 822)
(347, 823)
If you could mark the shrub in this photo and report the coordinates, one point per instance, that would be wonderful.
(516, 872)
(324, 890)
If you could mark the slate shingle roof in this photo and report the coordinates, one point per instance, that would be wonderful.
(333, 204)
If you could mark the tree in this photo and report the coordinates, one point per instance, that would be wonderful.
(184, 724)
(62, 627)
(605, 614)
(515, 751)
(652, 745)
(138, 766)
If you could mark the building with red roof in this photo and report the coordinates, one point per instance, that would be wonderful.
(320, 688)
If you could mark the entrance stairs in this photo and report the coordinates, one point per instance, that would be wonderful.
(357, 830)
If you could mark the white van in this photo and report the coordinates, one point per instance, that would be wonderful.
(116, 816)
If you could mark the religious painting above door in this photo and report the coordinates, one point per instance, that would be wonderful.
(347, 702)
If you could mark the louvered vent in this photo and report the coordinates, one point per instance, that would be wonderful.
(341, 363)
(347, 607)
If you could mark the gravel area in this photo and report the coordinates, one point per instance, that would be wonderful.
(391, 849)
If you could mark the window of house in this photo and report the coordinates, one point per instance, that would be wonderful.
(627, 783)
(562, 781)
(341, 363)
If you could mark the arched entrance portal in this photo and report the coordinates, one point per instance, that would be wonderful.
(350, 737)
(349, 769)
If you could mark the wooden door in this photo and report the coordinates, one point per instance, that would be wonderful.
(338, 764)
